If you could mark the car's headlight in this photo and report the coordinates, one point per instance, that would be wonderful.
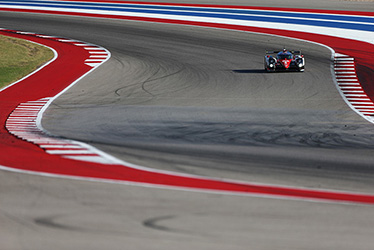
(271, 65)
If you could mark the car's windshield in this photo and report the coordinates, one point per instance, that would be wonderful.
(282, 56)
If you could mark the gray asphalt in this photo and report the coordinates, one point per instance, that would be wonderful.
(197, 101)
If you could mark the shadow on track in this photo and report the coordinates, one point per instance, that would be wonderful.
(248, 71)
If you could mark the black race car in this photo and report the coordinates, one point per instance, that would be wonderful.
(284, 61)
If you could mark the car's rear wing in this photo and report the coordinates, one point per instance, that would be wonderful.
(277, 51)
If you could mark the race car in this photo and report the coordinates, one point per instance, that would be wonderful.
(284, 61)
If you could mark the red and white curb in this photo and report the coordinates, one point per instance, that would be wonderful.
(24, 123)
(350, 86)
(98, 55)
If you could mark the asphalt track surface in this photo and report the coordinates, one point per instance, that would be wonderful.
(195, 100)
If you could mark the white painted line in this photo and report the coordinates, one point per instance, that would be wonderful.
(95, 159)
(25, 33)
(33, 104)
(343, 68)
(50, 141)
(337, 55)
(344, 59)
(81, 44)
(358, 99)
(362, 103)
(66, 40)
(19, 123)
(30, 123)
(353, 91)
(351, 70)
(341, 77)
(70, 152)
(43, 36)
(22, 120)
(94, 48)
(93, 64)
(30, 106)
(345, 72)
(22, 131)
(61, 146)
(98, 52)
(31, 109)
(345, 88)
(21, 126)
(98, 56)
(27, 119)
(94, 60)
(25, 111)
(349, 83)
(20, 115)
(356, 95)
(365, 107)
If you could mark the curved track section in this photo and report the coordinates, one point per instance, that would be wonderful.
(243, 19)
(286, 128)
(24, 123)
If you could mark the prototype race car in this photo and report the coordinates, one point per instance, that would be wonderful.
(284, 61)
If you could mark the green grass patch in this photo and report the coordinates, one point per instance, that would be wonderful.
(19, 58)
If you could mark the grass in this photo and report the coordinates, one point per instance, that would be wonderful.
(19, 58)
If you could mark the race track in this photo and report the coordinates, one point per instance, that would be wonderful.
(195, 100)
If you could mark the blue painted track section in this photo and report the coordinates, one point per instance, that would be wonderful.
(349, 22)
